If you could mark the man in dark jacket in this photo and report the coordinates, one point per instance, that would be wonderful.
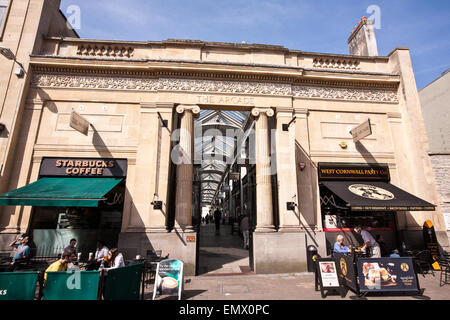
(217, 219)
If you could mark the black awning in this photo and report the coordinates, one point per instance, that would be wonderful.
(376, 196)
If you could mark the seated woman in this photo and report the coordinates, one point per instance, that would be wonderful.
(339, 245)
(115, 259)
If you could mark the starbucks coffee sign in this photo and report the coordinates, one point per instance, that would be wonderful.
(82, 167)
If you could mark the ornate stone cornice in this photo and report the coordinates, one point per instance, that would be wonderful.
(310, 89)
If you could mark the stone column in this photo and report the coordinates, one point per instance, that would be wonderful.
(185, 166)
(264, 207)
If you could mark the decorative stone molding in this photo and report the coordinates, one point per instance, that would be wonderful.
(331, 63)
(374, 95)
(104, 51)
(387, 95)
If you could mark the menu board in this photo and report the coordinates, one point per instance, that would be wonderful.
(386, 274)
(169, 278)
(328, 274)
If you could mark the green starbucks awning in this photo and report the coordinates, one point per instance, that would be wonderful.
(61, 192)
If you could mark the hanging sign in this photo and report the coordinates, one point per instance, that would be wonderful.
(79, 123)
(361, 131)
(169, 278)
(387, 275)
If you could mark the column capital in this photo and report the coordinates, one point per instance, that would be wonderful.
(188, 107)
(268, 111)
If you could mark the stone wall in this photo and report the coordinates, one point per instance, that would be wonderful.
(441, 171)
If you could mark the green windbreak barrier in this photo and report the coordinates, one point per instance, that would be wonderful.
(18, 285)
(72, 285)
(60, 192)
(124, 283)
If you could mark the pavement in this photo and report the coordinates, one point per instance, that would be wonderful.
(224, 274)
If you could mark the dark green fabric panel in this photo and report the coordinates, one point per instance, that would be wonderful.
(75, 285)
(124, 283)
(18, 285)
(60, 192)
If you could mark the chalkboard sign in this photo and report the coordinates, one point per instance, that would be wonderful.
(326, 276)
(387, 275)
(169, 278)
(429, 237)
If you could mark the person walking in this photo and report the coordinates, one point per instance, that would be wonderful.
(217, 218)
(244, 230)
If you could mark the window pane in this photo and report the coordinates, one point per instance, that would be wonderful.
(2, 13)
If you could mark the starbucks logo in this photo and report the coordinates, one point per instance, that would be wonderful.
(370, 192)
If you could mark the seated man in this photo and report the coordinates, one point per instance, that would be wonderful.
(22, 249)
(339, 245)
(61, 264)
(394, 254)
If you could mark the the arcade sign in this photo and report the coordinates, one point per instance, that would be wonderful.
(83, 167)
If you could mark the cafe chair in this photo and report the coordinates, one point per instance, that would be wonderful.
(422, 262)
(151, 263)
(444, 263)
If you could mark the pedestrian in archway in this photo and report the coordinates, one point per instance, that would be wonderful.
(244, 230)
(217, 219)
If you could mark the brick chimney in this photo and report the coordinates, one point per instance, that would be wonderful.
(362, 41)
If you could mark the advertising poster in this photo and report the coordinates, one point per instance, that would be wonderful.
(328, 274)
(346, 270)
(386, 274)
(169, 278)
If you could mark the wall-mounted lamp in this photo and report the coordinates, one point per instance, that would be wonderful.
(165, 123)
(8, 54)
(285, 126)
(290, 206)
(157, 205)
(302, 166)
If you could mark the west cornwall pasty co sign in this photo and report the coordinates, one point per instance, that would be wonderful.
(82, 167)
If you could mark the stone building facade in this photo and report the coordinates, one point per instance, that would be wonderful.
(124, 89)
(434, 99)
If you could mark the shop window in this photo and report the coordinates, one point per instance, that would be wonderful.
(4, 7)
(53, 227)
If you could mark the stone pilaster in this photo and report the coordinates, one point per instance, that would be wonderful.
(185, 166)
(286, 171)
(264, 206)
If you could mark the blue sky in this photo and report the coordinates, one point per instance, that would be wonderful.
(307, 25)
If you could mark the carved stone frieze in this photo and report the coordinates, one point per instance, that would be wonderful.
(375, 95)
(216, 86)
